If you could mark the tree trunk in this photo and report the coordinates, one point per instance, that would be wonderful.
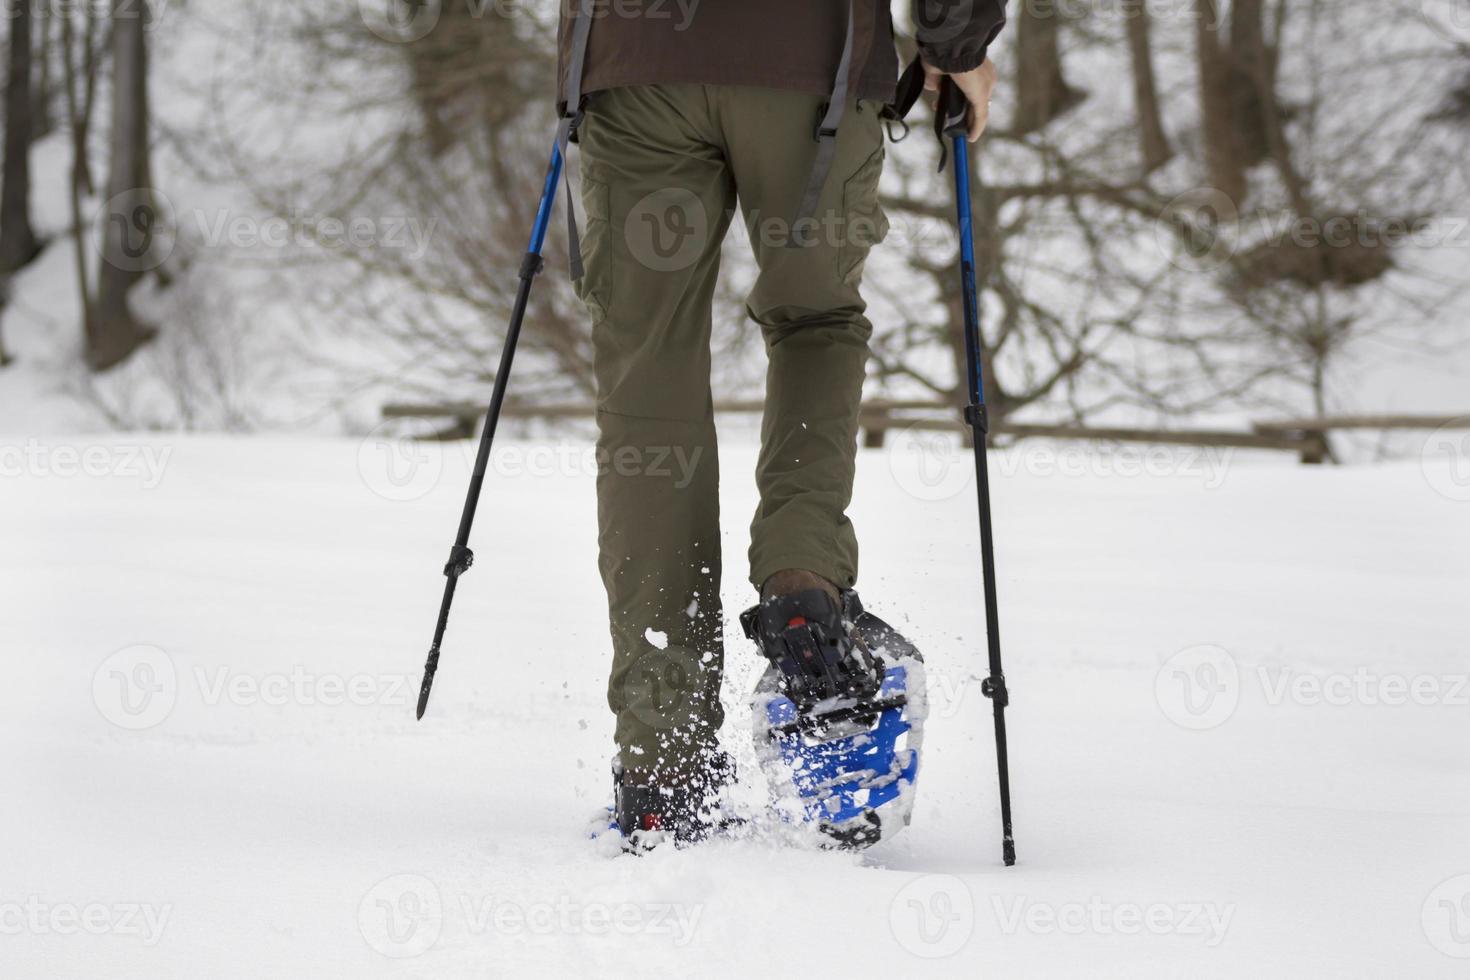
(18, 244)
(5, 359)
(1153, 141)
(80, 91)
(1042, 90)
(42, 119)
(76, 115)
(128, 230)
(92, 59)
(1217, 106)
(1252, 79)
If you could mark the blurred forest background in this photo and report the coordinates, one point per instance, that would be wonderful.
(255, 214)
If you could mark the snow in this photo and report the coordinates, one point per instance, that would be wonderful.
(212, 766)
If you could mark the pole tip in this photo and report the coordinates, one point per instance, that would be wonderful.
(1008, 852)
(431, 667)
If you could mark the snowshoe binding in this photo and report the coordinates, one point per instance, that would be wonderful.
(839, 715)
(646, 814)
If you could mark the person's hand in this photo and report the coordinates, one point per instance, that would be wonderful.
(976, 85)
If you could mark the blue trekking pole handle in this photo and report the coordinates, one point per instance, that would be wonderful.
(548, 201)
(460, 555)
(951, 124)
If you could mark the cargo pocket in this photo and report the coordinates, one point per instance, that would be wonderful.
(864, 223)
(595, 286)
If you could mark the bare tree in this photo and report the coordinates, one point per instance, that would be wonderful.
(1104, 289)
(1252, 77)
(1098, 293)
(1042, 90)
(5, 359)
(79, 88)
(18, 243)
(1153, 141)
(113, 332)
(1218, 127)
(42, 118)
(464, 158)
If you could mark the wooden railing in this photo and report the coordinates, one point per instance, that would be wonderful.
(1307, 438)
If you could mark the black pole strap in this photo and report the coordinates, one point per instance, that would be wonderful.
(906, 96)
(951, 113)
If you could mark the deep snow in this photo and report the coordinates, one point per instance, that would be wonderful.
(1238, 730)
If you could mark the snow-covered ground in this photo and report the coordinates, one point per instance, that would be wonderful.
(1239, 726)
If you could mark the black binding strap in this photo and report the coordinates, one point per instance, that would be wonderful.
(571, 118)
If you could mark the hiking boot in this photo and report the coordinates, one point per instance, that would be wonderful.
(687, 808)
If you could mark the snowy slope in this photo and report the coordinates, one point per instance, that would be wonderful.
(212, 768)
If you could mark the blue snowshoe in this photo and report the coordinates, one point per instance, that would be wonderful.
(839, 715)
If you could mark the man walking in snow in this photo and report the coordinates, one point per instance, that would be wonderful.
(773, 105)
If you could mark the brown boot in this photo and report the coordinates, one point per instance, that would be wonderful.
(790, 581)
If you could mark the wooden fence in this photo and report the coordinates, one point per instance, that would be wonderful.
(1306, 438)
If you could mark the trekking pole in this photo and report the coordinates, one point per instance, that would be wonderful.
(460, 556)
(951, 125)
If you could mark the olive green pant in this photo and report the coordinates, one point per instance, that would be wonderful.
(662, 169)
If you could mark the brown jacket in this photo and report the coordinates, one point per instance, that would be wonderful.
(786, 44)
